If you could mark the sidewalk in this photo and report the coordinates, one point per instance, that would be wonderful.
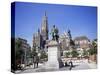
(92, 65)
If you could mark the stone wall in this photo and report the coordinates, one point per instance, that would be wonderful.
(93, 58)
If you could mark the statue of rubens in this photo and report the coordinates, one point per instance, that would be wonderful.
(54, 33)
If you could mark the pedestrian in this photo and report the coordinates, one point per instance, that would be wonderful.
(37, 60)
(71, 64)
(66, 64)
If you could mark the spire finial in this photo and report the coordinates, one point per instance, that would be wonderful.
(45, 13)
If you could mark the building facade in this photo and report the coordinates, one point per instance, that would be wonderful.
(23, 50)
(82, 42)
(66, 42)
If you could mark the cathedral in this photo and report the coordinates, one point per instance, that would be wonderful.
(66, 40)
(41, 37)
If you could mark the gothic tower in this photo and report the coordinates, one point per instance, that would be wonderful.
(44, 28)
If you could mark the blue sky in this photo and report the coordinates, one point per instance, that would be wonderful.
(81, 20)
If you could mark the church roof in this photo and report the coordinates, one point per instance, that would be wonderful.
(81, 38)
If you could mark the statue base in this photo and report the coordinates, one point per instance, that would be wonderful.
(54, 58)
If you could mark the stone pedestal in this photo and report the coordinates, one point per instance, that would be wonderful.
(54, 58)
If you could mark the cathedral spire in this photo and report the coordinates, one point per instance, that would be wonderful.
(38, 30)
(44, 28)
(45, 13)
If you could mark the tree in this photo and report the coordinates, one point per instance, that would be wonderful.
(85, 53)
(94, 45)
(19, 53)
(34, 53)
(43, 55)
(67, 54)
(74, 53)
(93, 50)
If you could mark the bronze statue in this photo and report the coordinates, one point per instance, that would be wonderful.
(54, 33)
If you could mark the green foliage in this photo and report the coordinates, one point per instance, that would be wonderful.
(19, 53)
(34, 53)
(29, 54)
(93, 50)
(43, 55)
(85, 53)
(74, 53)
(67, 54)
(18, 49)
(94, 44)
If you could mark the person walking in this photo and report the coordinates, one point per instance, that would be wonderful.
(37, 60)
(71, 64)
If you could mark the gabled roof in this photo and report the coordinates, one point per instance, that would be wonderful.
(81, 38)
